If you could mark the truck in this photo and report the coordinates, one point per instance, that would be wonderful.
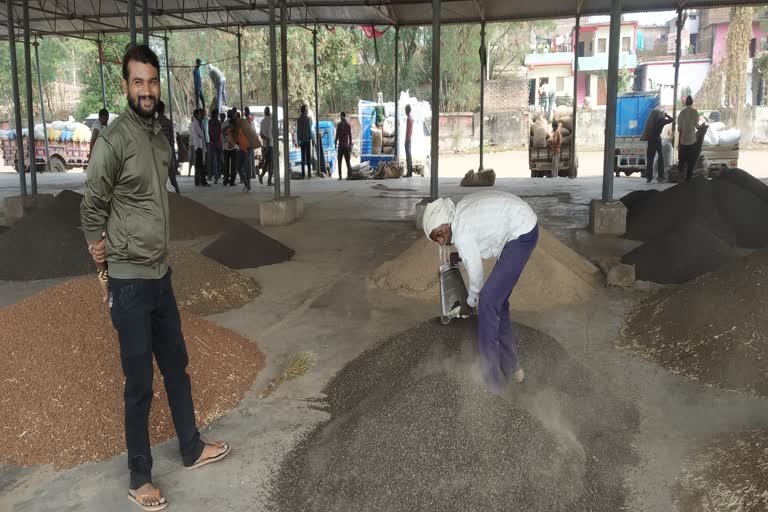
(632, 110)
(540, 160)
(64, 155)
(327, 134)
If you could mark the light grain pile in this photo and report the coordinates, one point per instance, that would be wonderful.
(555, 275)
(730, 473)
(62, 385)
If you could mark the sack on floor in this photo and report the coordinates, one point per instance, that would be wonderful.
(484, 178)
(376, 140)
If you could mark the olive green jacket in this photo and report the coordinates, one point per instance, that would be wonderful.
(125, 196)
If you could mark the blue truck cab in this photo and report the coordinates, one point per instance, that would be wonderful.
(632, 110)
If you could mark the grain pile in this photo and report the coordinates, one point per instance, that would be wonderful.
(713, 329)
(729, 473)
(62, 384)
(246, 247)
(693, 227)
(555, 275)
(205, 287)
(190, 219)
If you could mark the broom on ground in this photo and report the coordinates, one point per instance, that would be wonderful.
(298, 365)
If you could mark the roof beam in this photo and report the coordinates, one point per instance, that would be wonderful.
(480, 9)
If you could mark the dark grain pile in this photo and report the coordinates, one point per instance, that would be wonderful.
(692, 228)
(410, 429)
(246, 247)
(190, 219)
(205, 287)
(729, 473)
(62, 385)
(713, 329)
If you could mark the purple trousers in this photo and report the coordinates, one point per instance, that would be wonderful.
(496, 340)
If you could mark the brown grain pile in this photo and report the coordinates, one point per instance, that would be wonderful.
(190, 219)
(730, 473)
(555, 275)
(713, 329)
(61, 392)
(205, 287)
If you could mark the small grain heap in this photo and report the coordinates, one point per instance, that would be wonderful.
(713, 329)
(245, 247)
(190, 219)
(62, 385)
(696, 226)
(728, 473)
(555, 275)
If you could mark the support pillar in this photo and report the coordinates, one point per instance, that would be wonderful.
(30, 103)
(101, 72)
(483, 68)
(609, 150)
(16, 101)
(397, 95)
(284, 70)
(42, 105)
(240, 68)
(435, 135)
(318, 139)
(132, 21)
(577, 33)
(273, 90)
(677, 77)
(170, 92)
(145, 21)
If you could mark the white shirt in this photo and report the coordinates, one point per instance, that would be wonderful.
(265, 130)
(687, 122)
(482, 225)
(197, 135)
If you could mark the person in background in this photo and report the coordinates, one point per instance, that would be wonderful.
(219, 85)
(687, 122)
(243, 150)
(207, 141)
(98, 127)
(546, 97)
(215, 155)
(486, 225)
(165, 125)
(198, 142)
(124, 217)
(304, 138)
(654, 146)
(199, 98)
(251, 151)
(191, 143)
(408, 139)
(265, 132)
(343, 142)
(230, 148)
(555, 143)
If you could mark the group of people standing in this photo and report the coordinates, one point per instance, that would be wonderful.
(688, 147)
(223, 147)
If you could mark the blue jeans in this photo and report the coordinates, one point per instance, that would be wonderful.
(146, 318)
(221, 94)
(495, 338)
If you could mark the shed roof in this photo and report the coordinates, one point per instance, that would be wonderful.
(84, 17)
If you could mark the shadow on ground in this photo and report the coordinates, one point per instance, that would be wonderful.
(413, 428)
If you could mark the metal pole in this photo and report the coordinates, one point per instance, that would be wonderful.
(577, 32)
(317, 101)
(170, 93)
(614, 42)
(284, 69)
(240, 67)
(42, 105)
(30, 104)
(397, 95)
(132, 21)
(101, 71)
(483, 64)
(677, 74)
(145, 21)
(16, 101)
(275, 113)
(435, 98)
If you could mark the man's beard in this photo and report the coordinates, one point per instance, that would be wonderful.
(136, 106)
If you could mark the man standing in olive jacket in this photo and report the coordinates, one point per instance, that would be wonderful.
(124, 215)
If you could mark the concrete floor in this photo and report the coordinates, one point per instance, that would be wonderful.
(320, 301)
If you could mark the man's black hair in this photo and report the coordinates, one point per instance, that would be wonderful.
(343, 115)
(688, 101)
(303, 109)
(407, 109)
(140, 53)
(267, 111)
(103, 112)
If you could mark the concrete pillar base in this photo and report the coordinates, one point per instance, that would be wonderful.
(16, 207)
(607, 218)
(282, 212)
(419, 213)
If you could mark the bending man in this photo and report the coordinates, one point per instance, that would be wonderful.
(487, 225)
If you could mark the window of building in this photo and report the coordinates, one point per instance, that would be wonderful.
(588, 86)
(602, 45)
(560, 83)
(625, 44)
(581, 48)
(752, 48)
